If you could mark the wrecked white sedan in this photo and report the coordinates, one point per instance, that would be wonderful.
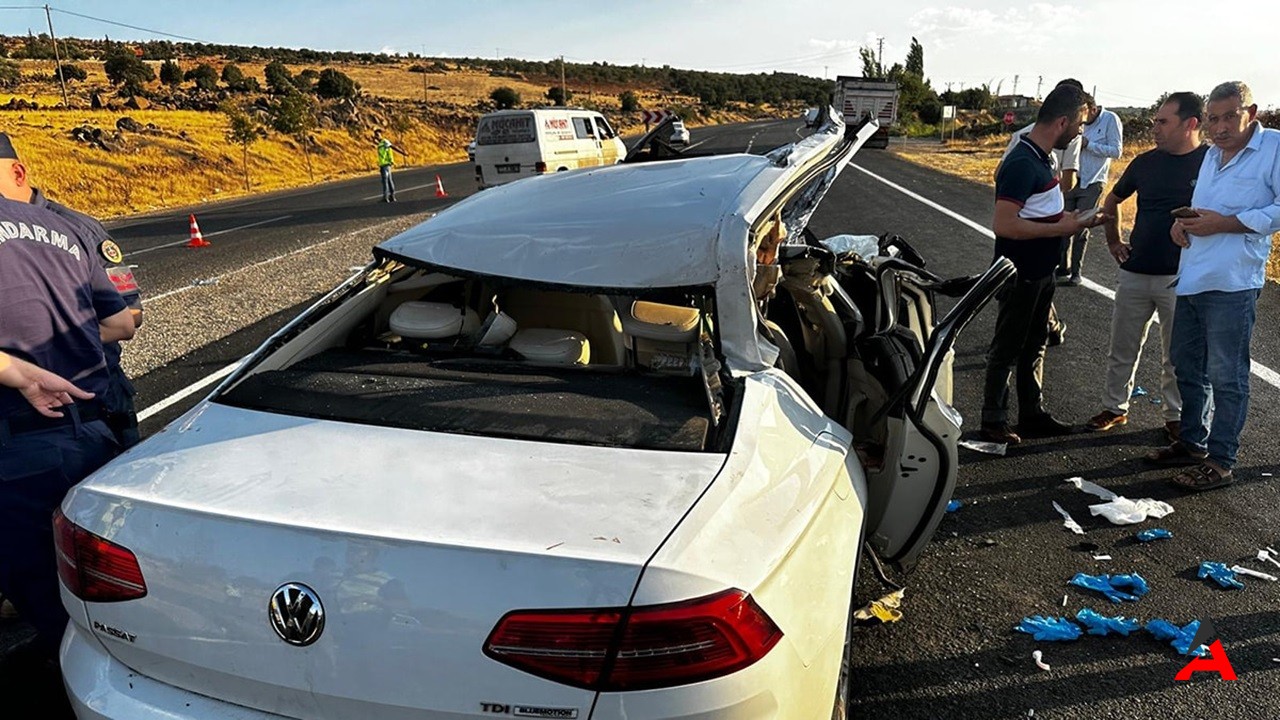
(543, 458)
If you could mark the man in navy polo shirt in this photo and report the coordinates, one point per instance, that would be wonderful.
(58, 307)
(1029, 225)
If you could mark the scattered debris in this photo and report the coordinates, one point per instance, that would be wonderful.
(1153, 534)
(1138, 391)
(1252, 573)
(982, 446)
(1102, 625)
(1068, 521)
(1266, 474)
(1268, 555)
(1113, 586)
(1219, 573)
(1064, 601)
(883, 610)
(1101, 557)
(208, 281)
(1039, 658)
(1049, 628)
(953, 506)
(1180, 637)
(1121, 510)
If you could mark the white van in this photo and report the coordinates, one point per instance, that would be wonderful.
(514, 144)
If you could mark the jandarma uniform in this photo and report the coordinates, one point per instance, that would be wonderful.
(52, 297)
(121, 416)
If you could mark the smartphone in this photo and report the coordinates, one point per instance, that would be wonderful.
(1184, 212)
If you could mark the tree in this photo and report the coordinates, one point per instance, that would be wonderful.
(915, 59)
(74, 72)
(630, 103)
(170, 73)
(558, 96)
(870, 65)
(505, 98)
(279, 79)
(296, 115)
(204, 76)
(10, 75)
(232, 74)
(334, 84)
(242, 130)
(306, 80)
(126, 70)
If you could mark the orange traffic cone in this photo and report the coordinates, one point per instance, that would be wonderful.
(197, 240)
(440, 193)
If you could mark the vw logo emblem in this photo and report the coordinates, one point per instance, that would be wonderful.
(296, 614)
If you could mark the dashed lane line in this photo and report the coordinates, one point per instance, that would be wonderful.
(1262, 372)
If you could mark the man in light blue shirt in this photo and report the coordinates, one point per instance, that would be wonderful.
(1225, 247)
(1101, 140)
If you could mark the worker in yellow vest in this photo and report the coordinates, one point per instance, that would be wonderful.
(385, 162)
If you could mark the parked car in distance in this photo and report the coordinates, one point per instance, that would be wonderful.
(602, 445)
(679, 135)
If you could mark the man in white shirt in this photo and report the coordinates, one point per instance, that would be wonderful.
(1101, 140)
(1225, 248)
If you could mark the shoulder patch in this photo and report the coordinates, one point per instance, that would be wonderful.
(110, 251)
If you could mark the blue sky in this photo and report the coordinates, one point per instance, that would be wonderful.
(1130, 51)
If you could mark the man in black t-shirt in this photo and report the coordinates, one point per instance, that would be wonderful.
(1029, 225)
(1164, 179)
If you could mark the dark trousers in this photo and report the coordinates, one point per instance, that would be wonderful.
(1018, 346)
(1081, 198)
(121, 417)
(36, 471)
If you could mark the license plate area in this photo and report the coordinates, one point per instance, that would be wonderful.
(509, 167)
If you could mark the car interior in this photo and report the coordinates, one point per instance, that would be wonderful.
(422, 349)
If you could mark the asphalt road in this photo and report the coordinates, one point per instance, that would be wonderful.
(1002, 556)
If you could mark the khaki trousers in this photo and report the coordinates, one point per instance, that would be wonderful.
(1139, 299)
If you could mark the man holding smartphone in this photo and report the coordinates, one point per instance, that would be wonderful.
(1224, 258)
(1163, 179)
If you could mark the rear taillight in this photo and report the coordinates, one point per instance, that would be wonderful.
(618, 649)
(94, 568)
(540, 167)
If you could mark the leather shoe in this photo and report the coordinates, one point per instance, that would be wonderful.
(1106, 420)
(999, 433)
(1173, 431)
(1043, 426)
(1057, 335)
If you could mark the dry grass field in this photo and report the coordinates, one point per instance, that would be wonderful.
(189, 160)
(977, 161)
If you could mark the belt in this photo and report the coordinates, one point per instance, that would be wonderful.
(29, 422)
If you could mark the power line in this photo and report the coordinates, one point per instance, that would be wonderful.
(126, 25)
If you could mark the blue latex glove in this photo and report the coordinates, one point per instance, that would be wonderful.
(1132, 581)
(1180, 637)
(1154, 534)
(1049, 628)
(1220, 573)
(953, 506)
(1101, 625)
(1106, 584)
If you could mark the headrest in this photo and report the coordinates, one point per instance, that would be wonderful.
(554, 347)
(432, 320)
(421, 281)
(498, 328)
(656, 321)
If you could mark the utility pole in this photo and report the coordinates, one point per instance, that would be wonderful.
(564, 94)
(57, 56)
(1015, 84)
(825, 68)
(880, 58)
(424, 72)
(1039, 82)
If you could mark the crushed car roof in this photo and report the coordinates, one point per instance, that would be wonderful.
(647, 225)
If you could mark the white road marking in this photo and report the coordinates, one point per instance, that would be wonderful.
(1264, 373)
(207, 235)
(403, 190)
(182, 394)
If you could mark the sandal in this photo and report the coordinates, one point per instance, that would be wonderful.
(1202, 477)
(1175, 454)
